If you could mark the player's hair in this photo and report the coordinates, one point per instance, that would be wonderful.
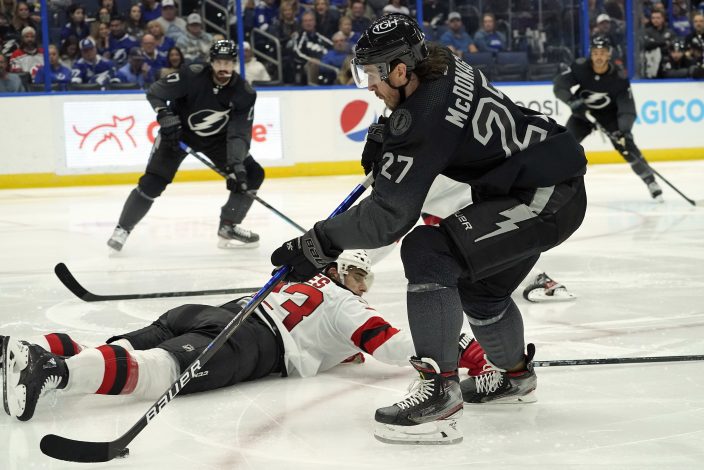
(435, 65)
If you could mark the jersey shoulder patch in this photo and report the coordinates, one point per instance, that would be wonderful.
(581, 61)
(196, 68)
(400, 121)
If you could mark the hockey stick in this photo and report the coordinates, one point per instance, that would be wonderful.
(86, 451)
(623, 150)
(68, 280)
(209, 164)
(616, 360)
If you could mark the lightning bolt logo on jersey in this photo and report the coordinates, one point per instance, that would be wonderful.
(208, 121)
(595, 99)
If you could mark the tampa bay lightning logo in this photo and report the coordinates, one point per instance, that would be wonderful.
(207, 122)
(595, 99)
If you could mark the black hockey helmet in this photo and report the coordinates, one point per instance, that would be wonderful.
(223, 49)
(600, 42)
(389, 38)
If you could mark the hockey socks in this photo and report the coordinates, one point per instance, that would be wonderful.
(60, 344)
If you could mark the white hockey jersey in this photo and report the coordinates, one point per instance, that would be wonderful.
(322, 324)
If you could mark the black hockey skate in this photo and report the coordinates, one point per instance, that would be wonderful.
(544, 289)
(3, 389)
(496, 385)
(655, 191)
(233, 236)
(29, 372)
(118, 238)
(427, 415)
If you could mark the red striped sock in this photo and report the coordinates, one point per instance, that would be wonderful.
(62, 344)
(121, 371)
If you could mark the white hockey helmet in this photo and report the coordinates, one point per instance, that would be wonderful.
(355, 259)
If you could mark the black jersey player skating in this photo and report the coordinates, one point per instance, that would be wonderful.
(604, 91)
(526, 172)
(210, 108)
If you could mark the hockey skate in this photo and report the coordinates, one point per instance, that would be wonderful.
(118, 238)
(495, 385)
(427, 415)
(29, 372)
(233, 236)
(545, 289)
(655, 191)
(3, 390)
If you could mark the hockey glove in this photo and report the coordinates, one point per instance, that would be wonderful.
(237, 178)
(472, 355)
(621, 137)
(170, 127)
(371, 155)
(307, 255)
(578, 107)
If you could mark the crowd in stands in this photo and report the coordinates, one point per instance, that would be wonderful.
(131, 43)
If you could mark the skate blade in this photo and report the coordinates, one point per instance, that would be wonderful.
(227, 244)
(529, 397)
(16, 359)
(560, 295)
(443, 432)
(3, 373)
(659, 199)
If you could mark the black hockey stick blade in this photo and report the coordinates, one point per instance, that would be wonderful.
(615, 360)
(68, 280)
(71, 450)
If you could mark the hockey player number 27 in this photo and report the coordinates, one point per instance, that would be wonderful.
(296, 312)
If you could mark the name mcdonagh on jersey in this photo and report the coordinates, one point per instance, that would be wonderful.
(464, 90)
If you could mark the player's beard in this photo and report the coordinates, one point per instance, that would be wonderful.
(223, 76)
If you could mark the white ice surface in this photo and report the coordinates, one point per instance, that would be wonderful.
(637, 267)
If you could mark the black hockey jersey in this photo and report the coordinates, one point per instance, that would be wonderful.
(608, 96)
(211, 115)
(460, 126)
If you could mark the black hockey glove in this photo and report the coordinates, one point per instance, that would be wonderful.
(237, 180)
(371, 155)
(621, 137)
(307, 255)
(577, 106)
(170, 127)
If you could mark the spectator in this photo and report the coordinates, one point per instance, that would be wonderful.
(606, 27)
(110, 6)
(357, 13)
(174, 61)
(680, 19)
(697, 34)
(28, 57)
(456, 38)
(153, 58)
(69, 52)
(151, 10)
(345, 26)
(7, 10)
(326, 18)
(76, 25)
(100, 33)
(656, 39)
(335, 57)
(695, 52)
(286, 29)
(195, 45)
(9, 83)
(21, 19)
(254, 71)
(265, 14)
(676, 64)
(135, 70)
(375, 8)
(163, 42)
(396, 6)
(173, 26)
(120, 42)
(310, 47)
(487, 39)
(435, 13)
(58, 72)
(104, 15)
(91, 68)
(134, 24)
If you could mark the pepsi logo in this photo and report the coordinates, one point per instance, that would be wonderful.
(384, 26)
(355, 119)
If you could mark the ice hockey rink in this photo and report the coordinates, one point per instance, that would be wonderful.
(637, 268)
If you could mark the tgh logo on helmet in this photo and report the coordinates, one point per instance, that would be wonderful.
(385, 25)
